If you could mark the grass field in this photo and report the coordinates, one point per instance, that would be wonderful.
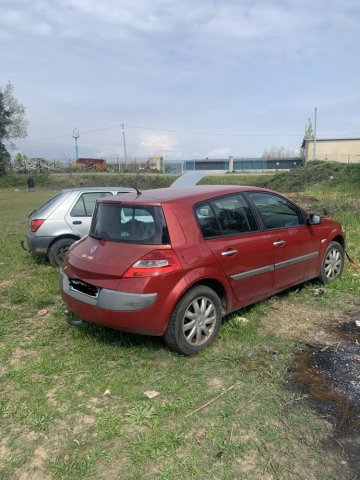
(73, 402)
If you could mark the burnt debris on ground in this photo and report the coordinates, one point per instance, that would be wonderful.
(330, 376)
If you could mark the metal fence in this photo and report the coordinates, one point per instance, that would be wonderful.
(243, 164)
(178, 167)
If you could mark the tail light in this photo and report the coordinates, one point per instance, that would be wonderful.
(157, 262)
(36, 224)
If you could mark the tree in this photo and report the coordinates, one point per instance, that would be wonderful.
(308, 135)
(20, 161)
(4, 123)
(278, 153)
(309, 132)
(13, 124)
(5, 160)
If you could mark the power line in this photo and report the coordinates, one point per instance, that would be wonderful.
(183, 132)
(66, 136)
(214, 133)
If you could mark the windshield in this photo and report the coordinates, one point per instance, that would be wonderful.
(129, 224)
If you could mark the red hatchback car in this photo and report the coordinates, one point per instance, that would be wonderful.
(174, 261)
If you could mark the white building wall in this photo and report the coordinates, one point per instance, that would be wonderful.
(342, 150)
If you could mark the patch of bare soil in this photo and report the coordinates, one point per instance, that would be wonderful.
(327, 370)
(303, 323)
(35, 469)
(5, 283)
(215, 384)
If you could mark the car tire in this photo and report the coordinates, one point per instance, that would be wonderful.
(58, 250)
(333, 263)
(195, 322)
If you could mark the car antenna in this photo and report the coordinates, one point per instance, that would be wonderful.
(137, 190)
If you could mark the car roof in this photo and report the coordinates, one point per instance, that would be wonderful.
(193, 194)
(97, 189)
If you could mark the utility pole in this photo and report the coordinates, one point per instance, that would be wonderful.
(315, 122)
(125, 154)
(75, 136)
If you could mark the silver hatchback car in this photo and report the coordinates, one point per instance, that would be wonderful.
(63, 219)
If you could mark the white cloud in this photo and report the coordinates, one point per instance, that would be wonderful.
(220, 152)
(153, 144)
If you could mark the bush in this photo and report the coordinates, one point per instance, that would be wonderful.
(316, 172)
(62, 180)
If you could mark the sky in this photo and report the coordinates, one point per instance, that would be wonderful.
(187, 79)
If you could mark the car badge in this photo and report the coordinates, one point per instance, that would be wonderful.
(92, 249)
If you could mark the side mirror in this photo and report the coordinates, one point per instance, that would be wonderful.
(314, 219)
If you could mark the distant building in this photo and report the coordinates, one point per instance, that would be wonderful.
(344, 150)
(155, 164)
(97, 164)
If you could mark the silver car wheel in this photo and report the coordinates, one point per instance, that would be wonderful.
(333, 263)
(58, 250)
(199, 321)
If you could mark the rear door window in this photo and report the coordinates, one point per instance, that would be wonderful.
(130, 224)
(207, 221)
(229, 215)
(85, 205)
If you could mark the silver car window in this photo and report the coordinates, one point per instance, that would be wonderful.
(48, 203)
(85, 205)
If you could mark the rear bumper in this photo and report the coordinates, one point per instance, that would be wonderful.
(36, 244)
(109, 299)
(118, 310)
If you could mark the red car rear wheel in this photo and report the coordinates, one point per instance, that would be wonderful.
(195, 321)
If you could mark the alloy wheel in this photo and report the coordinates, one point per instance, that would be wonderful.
(333, 264)
(199, 321)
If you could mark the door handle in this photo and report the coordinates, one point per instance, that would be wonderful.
(228, 253)
(77, 222)
(279, 243)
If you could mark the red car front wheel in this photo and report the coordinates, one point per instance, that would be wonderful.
(333, 263)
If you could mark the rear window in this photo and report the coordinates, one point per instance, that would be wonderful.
(129, 224)
(47, 203)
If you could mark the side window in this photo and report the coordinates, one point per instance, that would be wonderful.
(229, 215)
(276, 212)
(207, 221)
(85, 205)
(234, 215)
